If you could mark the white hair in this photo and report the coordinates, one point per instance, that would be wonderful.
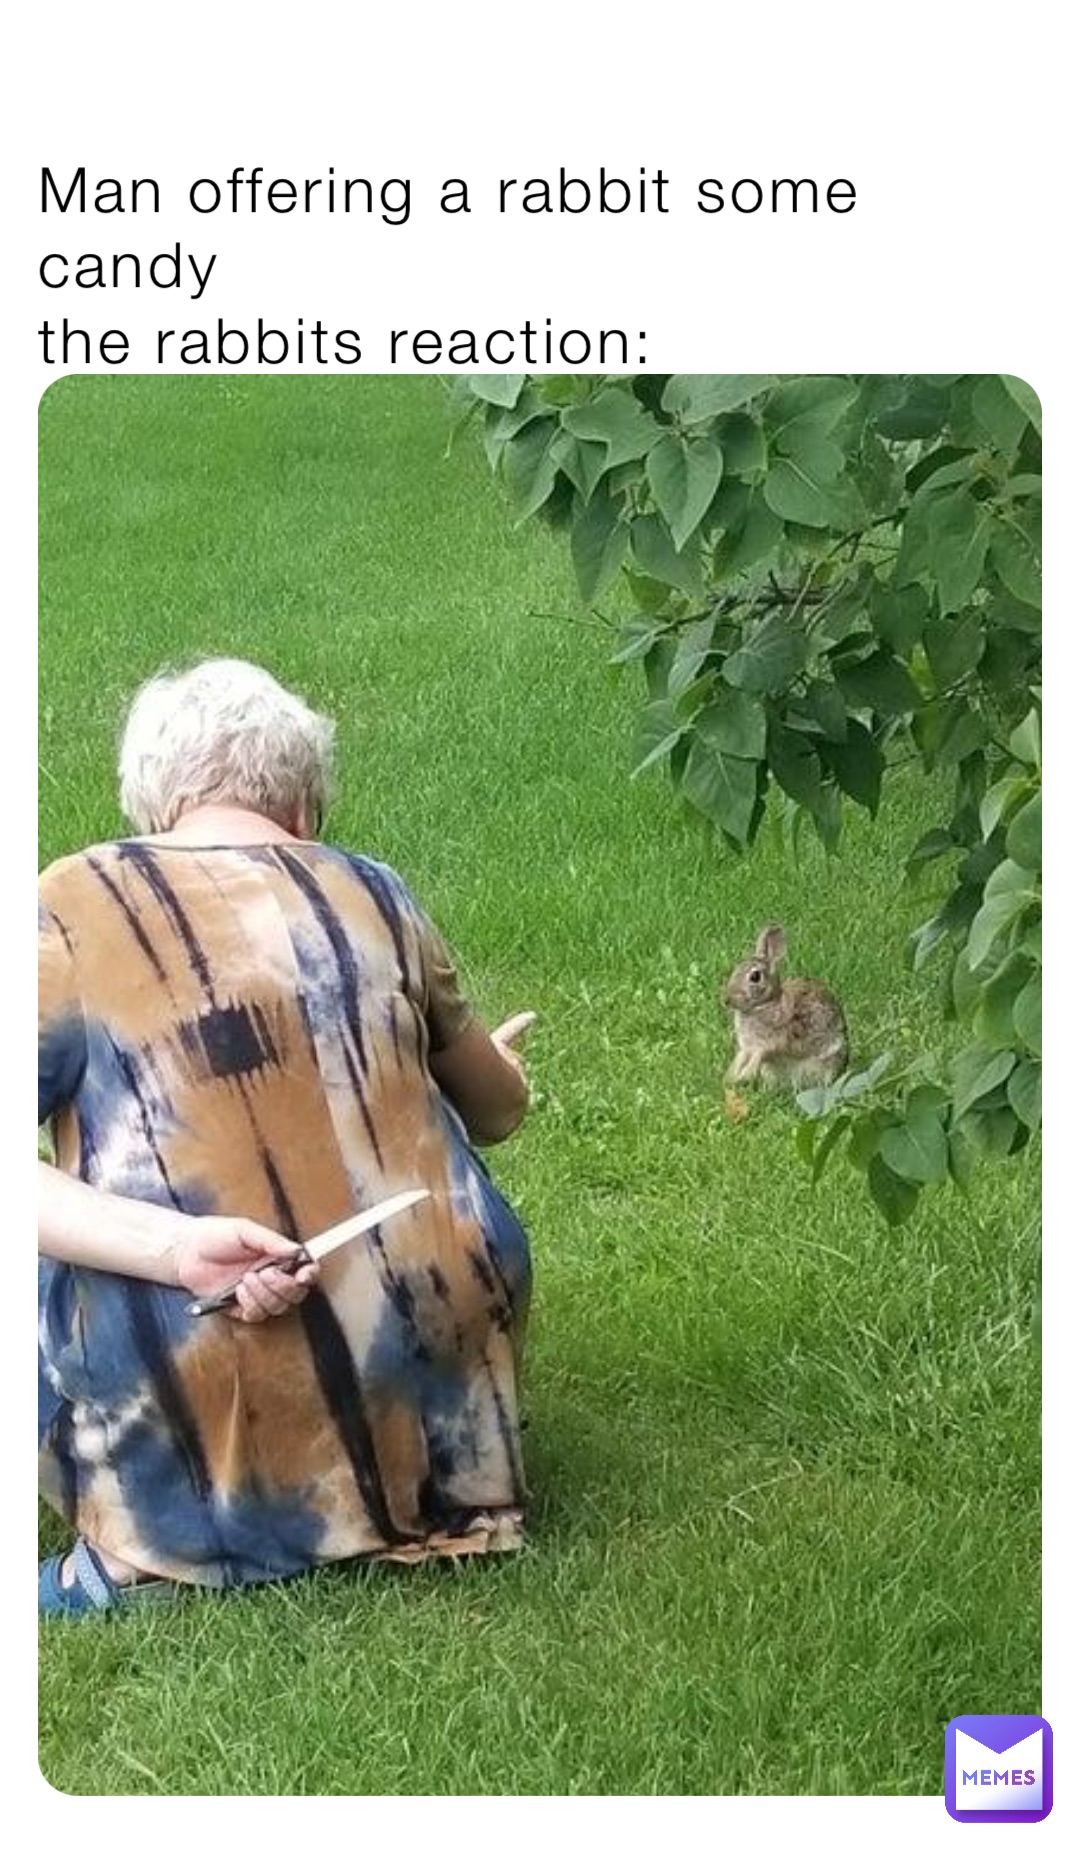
(224, 733)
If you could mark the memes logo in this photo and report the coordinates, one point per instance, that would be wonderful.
(999, 1769)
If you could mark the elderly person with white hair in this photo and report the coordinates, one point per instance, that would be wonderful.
(246, 1036)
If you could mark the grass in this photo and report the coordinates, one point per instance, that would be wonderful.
(784, 1463)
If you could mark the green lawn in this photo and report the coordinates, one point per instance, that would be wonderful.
(784, 1464)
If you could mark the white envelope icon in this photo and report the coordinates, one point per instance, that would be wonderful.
(989, 1781)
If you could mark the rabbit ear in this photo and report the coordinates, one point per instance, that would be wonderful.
(771, 944)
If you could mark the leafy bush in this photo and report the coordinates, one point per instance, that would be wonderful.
(830, 577)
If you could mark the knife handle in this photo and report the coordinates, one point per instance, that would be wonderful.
(199, 1308)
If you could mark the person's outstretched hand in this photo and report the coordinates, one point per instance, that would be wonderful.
(503, 1039)
(214, 1251)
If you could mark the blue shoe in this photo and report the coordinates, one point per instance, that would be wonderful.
(92, 1591)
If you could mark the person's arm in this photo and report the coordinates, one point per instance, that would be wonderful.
(480, 1072)
(110, 1233)
(485, 1079)
(85, 1226)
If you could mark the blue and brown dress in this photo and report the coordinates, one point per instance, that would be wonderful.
(248, 1031)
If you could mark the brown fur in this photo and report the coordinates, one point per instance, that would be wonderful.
(786, 1032)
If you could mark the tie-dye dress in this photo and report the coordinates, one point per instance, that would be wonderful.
(248, 1031)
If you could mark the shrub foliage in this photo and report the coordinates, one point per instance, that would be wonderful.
(830, 577)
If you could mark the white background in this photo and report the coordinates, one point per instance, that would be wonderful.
(955, 124)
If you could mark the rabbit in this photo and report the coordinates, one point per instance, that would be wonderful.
(786, 1032)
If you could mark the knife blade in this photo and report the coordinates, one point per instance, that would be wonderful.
(318, 1247)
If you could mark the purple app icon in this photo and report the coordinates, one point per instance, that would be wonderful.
(999, 1769)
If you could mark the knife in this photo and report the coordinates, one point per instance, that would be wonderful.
(317, 1248)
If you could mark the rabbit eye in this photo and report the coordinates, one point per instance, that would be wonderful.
(755, 975)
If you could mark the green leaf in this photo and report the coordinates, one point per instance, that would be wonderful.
(500, 424)
(858, 765)
(930, 466)
(465, 411)
(1016, 670)
(963, 732)
(626, 477)
(1009, 890)
(918, 414)
(768, 658)
(583, 463)
(1025, 1093)
(1027, 1015)
(807, 498)
(896, 1197)
(822, 708)
(654, 550)
(990, 1132)
(959, 538)
(845, 612)
(756, 534)
(742, 442)
(998, 413)
(880, 682)
(652, 596)
(926, 1098)
(636, 638)
(999, 800)
(1025, 740)
(996, 914)
(617, 419)
(913, 558)
(997, 1000)
(976, 1072)
(555, 390)
(557, 512)
(528, 467)
(899, 616)
(683, 477)
(598, 540)
(915, 1150)
(1015, 558)
(952, 473)
(828, 815)
(819, 1100)
(733, 723)
(722, 787)
(925, 939)
(619, 479)
(878, 476)
(809, 448)
(933, 844)
(963, 1157)
(826, 398)
(1023, 394)
(833, 1136)
(954, 646)
(502, 390)
(866, 1132)
(697, 399)
(658, 729)
(1024, 840)
(694, 644)
(1008, 878)
(690, 700)
(795, 765)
